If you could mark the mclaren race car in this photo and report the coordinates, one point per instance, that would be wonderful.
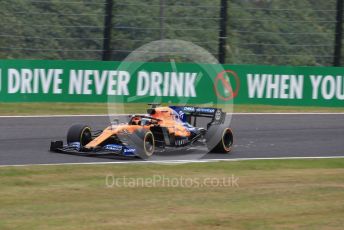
(161, 129)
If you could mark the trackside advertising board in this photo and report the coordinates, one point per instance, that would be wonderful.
(95, 81)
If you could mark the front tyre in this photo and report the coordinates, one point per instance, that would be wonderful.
(144, 143)
(79, 133)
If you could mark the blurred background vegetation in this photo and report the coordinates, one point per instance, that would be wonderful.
(273, 32)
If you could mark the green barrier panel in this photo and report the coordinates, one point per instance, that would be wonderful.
(96, 81)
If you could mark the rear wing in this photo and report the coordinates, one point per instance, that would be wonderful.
(186, 113)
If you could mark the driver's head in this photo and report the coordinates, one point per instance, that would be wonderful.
(135, 120)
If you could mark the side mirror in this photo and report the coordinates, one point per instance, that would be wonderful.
(151, 111)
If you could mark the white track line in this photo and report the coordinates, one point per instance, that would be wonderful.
(177, 161)
(106, 115)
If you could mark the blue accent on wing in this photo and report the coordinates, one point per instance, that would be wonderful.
(129, 151)
(181, 113)
(123, 149)
(206, 110)
(113, 147)
(191, 109)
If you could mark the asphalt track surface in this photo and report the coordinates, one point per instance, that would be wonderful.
(26, 140)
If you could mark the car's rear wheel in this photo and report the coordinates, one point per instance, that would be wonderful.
(79, 133)
(225, 143)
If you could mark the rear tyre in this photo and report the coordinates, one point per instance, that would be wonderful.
(79, 133)
(226, 142)
(145, 143)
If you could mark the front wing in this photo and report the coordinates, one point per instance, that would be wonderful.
(75, 149)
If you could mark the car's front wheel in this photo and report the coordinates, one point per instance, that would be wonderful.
(144, 143)
(79, 133)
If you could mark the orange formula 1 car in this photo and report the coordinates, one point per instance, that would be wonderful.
(163, 128)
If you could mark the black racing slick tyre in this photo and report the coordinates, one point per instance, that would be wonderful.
(79, 133)
(145, 143)
(226, 141)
